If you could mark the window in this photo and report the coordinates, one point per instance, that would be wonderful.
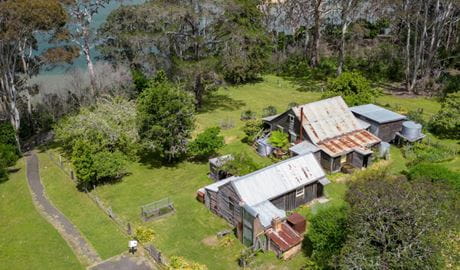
(299, 192)
(343, 159)
(291, 122)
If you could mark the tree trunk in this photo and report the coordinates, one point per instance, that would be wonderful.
(314, 56)
(342, 47)
(91, 72)
(408, 34)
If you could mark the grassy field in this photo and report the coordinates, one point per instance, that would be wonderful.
(191, 231)
(28, 241)
(100, 231)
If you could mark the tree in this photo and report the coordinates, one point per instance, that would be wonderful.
(165, 119)
(327, 233)
(206, 143)
(435, 173)
(243, 42)
(446, 123)
(393, 223)
(79, 31)
(353, 87)
(176, 36)
(20, 20)
(252, 128)
(110, 125)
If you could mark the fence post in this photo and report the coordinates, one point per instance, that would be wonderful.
(71, 175)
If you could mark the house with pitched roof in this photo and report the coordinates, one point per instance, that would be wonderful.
(328, 129)
(256, 203)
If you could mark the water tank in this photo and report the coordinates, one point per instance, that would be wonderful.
(263, 147)
(411, 130)
(384, 150)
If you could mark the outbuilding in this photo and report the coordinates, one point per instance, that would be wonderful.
(383, 123)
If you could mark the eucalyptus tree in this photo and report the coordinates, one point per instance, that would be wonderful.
(20, 22)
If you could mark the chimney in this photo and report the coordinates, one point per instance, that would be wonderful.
(276, 224)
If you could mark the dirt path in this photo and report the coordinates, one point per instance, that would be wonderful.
(84, 251)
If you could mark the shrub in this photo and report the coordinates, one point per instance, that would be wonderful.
(8, 155)
(417, 116)
(427, 152)
(434, 173)
(279, 139)
(179, 263)
(241, 164)
(252, 128)
(292, 105)
(206, 143)
(165, 119)
(446, 123)
(93, 166)
(248, 115)
(353, 87)
(7, 134)
(144, 234)
(327, 233)
(269, 111)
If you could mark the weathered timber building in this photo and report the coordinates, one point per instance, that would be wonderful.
(383, 123)
(256, 204)
(328, 129)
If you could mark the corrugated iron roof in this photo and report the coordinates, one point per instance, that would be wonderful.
(220, 161)
(267, 211)
(377, 113)
(304, 147)
(327, 118)
(285, 238)
(277, 179)
(360, 141)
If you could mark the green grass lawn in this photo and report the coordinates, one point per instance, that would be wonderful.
(100, 231)
(190, 231)
(28, 241)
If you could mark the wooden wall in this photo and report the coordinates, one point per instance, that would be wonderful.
(387, 131)
(289, 201)
(283, 121)
(225, 194)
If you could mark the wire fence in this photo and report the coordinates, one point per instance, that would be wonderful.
(124, 225)
(158, 209)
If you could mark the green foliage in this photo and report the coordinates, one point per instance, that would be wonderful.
(93, 167)
(7, 134)
(248, 115)
(292, 105)
(206, 143)
(327, 232)
(252, 128)
(245, 48)
(353, 87)
(434, 173)
(165, 119)
(397, 224)
(451, 84)
(108, 125)
(144, 234)
(446, 123)
(140, 80)
(416, 116)
(427, 152)
(269, 111)
(8, 155)
(295, 66)
(241, 164)
(179, 263)
(279, 139)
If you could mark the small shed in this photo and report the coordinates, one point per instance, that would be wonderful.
(297, 222)
(383, 123)
(215, 167)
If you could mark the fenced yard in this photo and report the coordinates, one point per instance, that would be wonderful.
(187, 232)
(158, 209)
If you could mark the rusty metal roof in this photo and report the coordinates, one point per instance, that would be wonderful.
(360, 141)
(327, 119)
(285, 238)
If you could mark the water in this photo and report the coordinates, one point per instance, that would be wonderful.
(80, 62)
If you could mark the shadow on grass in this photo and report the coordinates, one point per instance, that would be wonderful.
(220, 101)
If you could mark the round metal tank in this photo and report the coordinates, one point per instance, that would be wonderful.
(411, 130)
(384, 149)
(263, 147)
